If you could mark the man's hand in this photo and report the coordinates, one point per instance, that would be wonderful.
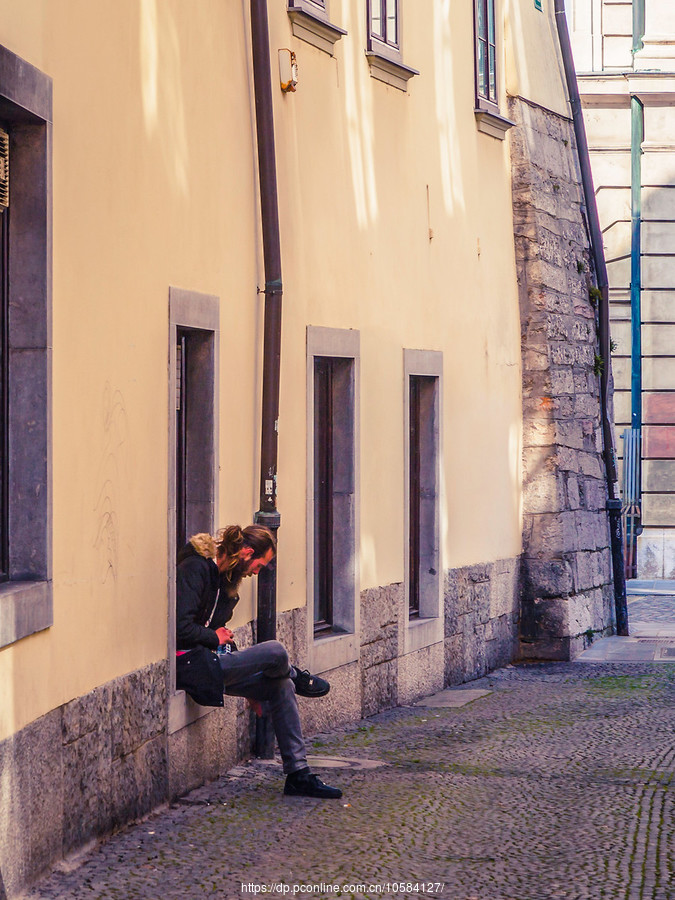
(224, 635)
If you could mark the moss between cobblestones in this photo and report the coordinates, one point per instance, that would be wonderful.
(623, 685)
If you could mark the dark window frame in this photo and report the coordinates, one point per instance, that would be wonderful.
(486, 38)
(4, 395)
(323, 493)
(334, 458)
(382, 39)
(414, 491)
(423, 493)
(181, 437)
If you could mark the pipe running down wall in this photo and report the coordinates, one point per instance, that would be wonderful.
(595, 236)
(267, 515)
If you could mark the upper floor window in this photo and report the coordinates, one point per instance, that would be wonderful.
(488, 118)
(384, 22)
(384, 44)
(486, 52)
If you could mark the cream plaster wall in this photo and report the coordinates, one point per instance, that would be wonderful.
(396, 221)
(153, 187)
(372, 268)
(534, 68)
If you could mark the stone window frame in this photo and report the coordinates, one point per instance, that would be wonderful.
(427, 628)
(188, 309)
(310, 21)
(486, 111)
(384, 57)
(26, 599)
(328, 651)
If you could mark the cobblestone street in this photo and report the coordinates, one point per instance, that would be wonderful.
(554, 783)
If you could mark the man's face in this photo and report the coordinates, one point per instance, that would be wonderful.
(248, 564)
(259, 562)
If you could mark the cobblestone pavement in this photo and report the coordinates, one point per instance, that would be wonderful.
(651, 608)
(558, 783)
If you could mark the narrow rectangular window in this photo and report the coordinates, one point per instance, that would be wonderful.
(414, 537)
(323, 485)
(423, 495)
(383, 22)
(181, 441)
(26, 599)
(194, 331)
(195, 482)
(334, 463)
(4, 396)
(486, 51)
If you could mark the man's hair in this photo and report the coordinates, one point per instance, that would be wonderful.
(233, 539)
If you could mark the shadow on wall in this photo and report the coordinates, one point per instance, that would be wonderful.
(161, 90)
(360, 120)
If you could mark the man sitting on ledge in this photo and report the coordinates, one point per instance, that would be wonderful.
(207, 580)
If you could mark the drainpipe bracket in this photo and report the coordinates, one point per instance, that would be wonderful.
(271, 520)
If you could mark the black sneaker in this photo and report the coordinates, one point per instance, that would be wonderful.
(306, 784)
(307, 685)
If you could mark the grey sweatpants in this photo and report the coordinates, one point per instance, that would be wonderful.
(262, 673)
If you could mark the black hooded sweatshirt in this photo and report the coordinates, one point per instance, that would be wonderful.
(201, 593)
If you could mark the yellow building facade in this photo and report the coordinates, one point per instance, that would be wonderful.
(133, 168)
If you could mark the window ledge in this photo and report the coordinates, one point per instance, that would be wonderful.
(25, 608)
(333, 650)
(422, 632)
(392, 73)
(314, 29)
(492, 123)
(184, 711)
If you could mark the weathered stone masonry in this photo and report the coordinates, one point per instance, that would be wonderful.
(567, 594)
(81, 771)
(480, 615)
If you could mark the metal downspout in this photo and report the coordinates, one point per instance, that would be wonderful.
(267, 515)
(595, 235)
(636, 139)
(638, 24)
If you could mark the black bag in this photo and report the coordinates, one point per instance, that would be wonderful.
(199, 674)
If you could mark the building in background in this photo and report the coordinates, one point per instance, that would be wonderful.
(440, 476)
(625, 58)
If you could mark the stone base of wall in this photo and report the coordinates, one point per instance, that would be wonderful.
(82, 771)
(482, 611)
(480, 633)
(206, 748)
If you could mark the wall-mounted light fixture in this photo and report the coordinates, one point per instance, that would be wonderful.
(288, 70)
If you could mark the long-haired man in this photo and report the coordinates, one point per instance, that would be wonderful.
(208, 576)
